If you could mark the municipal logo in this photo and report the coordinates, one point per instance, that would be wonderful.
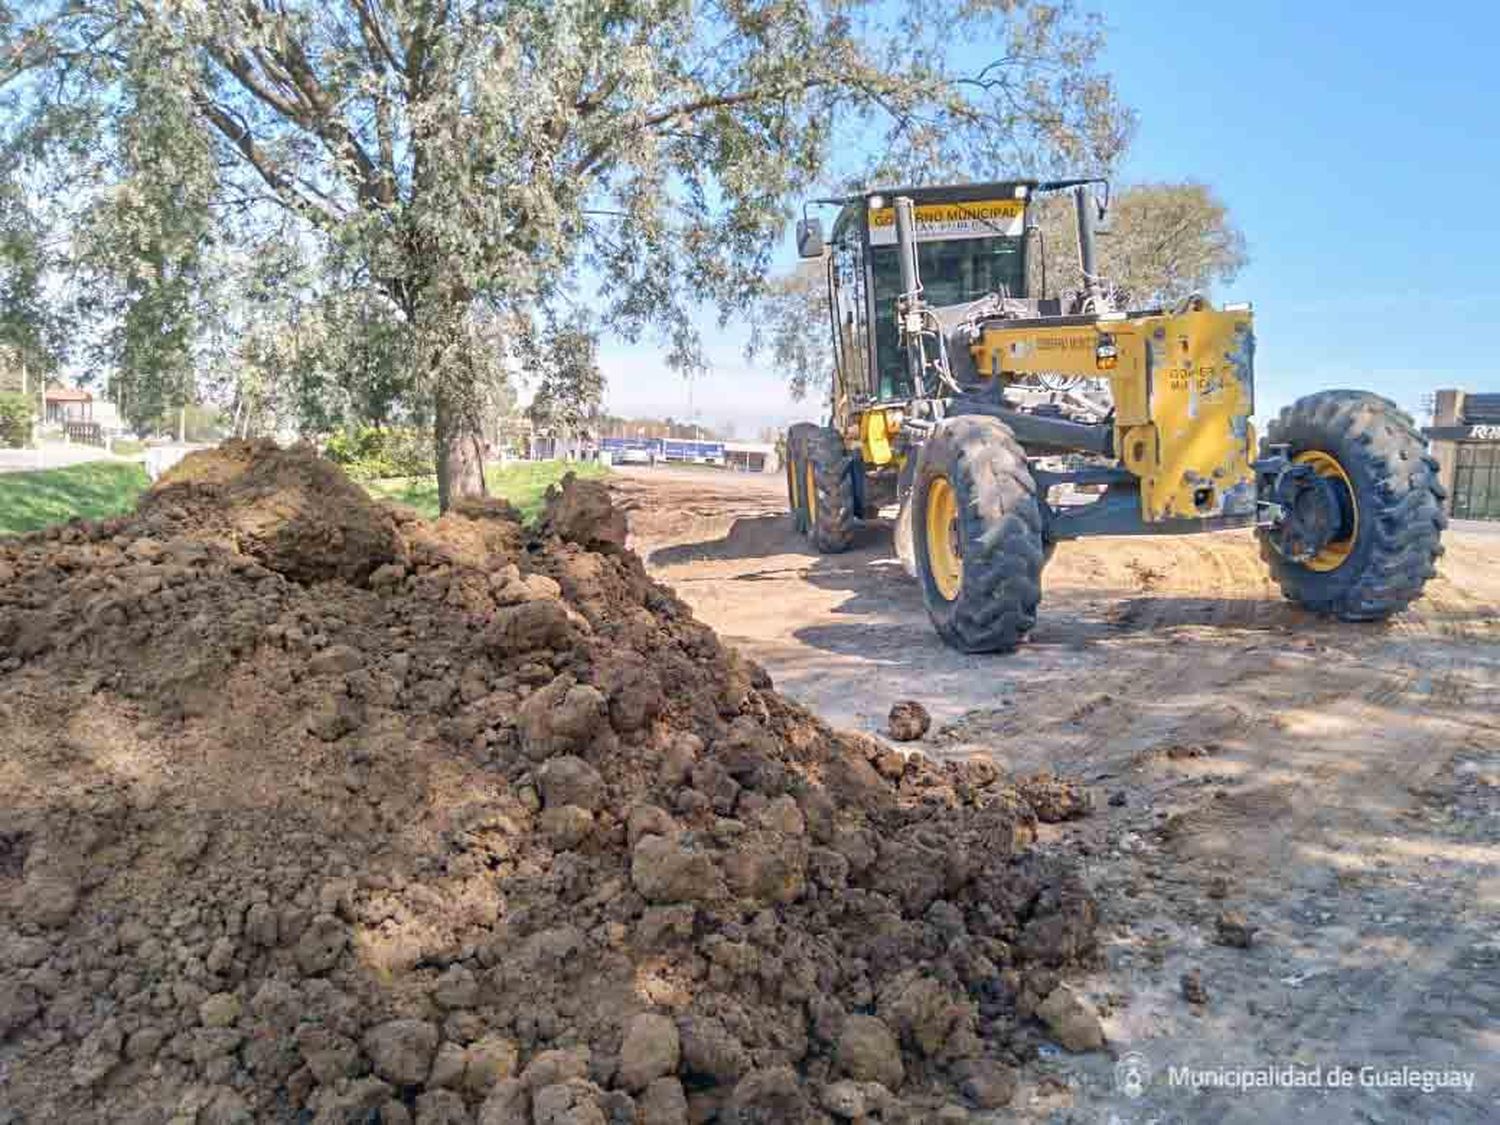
(1132, 1074)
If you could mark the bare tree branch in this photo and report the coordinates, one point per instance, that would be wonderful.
(318, 211)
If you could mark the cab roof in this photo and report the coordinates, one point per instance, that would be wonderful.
(852, 205)
(945, 193)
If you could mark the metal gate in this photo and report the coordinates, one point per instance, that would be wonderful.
(1476, 482)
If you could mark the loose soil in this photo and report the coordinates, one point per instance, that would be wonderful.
(313, 810)
(1333, 789)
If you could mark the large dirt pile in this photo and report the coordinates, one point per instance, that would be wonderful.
(311, 810)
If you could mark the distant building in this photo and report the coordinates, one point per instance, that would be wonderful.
(1465, 437)
(751, 456)
(67, 404)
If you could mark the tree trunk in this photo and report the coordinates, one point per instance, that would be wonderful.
(460, 451)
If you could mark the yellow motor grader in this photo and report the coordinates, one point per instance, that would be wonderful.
(1000, 422)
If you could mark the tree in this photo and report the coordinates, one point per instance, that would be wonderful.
(32, 333)
(795, 327)
(142, 243)
(570, 389)
(500, 157)
(1165, 241)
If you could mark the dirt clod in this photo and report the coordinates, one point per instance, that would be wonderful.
(571, 781)
(650, 1051)
(908, 721)
(1193, 990)
(663, 1102)
(401, 1051)
(987, 1083)
(1231, 928)
(219, 1010)
(869, 1052)
(844, 1099)
(1072, 1020)
(581, 511)
(1053, 799)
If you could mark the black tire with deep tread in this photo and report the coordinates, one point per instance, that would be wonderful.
(832, 527)
(1397, 495)
(1000, 532)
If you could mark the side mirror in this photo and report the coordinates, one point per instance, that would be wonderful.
(810, 238)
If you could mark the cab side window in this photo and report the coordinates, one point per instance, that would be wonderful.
(848, 276)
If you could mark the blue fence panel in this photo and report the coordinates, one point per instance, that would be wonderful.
(676, 449)
(668, 449)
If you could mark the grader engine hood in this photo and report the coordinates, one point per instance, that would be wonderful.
(1183, 391)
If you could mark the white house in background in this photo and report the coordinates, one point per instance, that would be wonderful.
(751, 456)
(67, 404)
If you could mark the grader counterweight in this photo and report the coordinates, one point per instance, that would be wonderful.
(999, 422)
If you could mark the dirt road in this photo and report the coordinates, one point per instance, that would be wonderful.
(1336, 785)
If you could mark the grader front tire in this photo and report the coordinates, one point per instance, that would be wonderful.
(1373, 449)
(977, 535)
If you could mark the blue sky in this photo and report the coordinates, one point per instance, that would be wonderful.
(1358, 148)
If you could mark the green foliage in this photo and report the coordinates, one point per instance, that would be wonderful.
(795, 328)
(375, 453)
(145, 240)
(524, 484)
(94, 490)
(317, 347)
(16, 414)
(571, 386)
(32, 332)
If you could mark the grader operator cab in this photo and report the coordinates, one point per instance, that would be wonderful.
(1001, 421)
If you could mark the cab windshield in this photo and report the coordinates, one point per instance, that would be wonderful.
(953, 272)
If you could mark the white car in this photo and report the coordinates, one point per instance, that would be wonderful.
(637, 457)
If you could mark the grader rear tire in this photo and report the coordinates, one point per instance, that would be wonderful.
(1374, 448)
(829, 477)
(977, 535)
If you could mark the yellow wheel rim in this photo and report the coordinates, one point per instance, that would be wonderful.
(1332, 556)
(944, 560)
(812, 497)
